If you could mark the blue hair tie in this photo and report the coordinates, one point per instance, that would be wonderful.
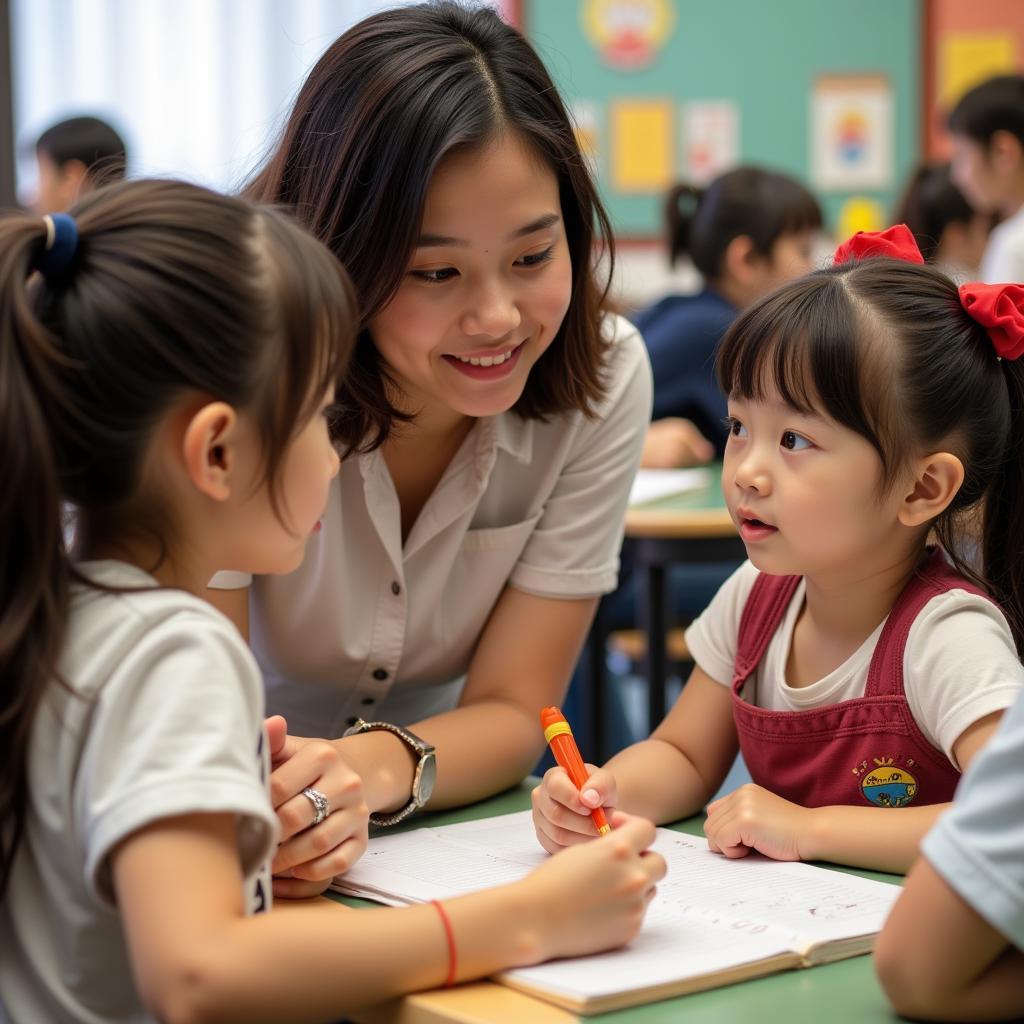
(61, 243)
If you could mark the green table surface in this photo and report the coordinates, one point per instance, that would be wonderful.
(844, 992)
(707, 497)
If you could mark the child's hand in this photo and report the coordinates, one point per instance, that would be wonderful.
(594, 897)
(561, 812)
(309, 857)
(673, 442)
(752, 818)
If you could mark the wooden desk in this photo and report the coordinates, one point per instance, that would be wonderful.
(845, 992)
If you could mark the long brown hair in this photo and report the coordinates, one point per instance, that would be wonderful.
(384, 105)
(171, 289)
(885, 348)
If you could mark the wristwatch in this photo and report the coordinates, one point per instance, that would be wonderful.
(423, 777)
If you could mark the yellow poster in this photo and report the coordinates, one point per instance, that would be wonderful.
(859, 213)
(967, 59)
(641, 145)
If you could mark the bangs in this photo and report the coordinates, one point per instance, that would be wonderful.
(802, 342)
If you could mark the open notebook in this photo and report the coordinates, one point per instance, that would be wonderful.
(714, 921)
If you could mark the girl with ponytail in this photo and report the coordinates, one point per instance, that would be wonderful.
(168, 364)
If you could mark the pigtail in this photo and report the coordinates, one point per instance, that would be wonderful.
(33, 561)
(680, 210)
(1003, 537)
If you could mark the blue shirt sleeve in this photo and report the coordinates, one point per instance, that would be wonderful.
(682, 334)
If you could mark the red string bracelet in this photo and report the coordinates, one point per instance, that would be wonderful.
(453, 959)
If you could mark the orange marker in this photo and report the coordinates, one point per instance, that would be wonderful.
(558, 736)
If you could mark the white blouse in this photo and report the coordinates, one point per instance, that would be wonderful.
(369, 627)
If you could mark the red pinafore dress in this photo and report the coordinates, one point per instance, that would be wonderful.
(866, 751)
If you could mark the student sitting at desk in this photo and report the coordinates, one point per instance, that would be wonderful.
(168, 359)
(871, 406)
(953, 946)
(749, 232)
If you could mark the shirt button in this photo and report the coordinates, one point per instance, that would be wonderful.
(380, 673)
(368, 700)
(395, 589)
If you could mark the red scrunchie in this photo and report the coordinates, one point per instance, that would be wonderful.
(897, 243)
(999, 308)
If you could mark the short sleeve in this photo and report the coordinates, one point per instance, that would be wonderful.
(177, 729)
(960, 665)
(228, 579)
(574, 549)
(712, 637)
(978, 846)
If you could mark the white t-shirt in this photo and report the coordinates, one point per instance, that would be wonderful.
(1004, 254)
(371, 627)
(959, 665)
(163, 716)
(978, 846)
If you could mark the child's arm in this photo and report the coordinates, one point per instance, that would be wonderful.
(879, 838)
(938, 959)
(195, 956)
(669, 776)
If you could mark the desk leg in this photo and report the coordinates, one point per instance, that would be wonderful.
(656, 633)
(596, 711)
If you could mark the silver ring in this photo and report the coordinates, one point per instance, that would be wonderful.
(319, 802)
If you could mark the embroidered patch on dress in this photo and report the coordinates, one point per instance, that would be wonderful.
(887, 784)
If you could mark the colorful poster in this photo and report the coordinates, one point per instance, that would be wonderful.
(851, 133)
(711, 139)
(641, 145)
(967, 58)
(628, 34)
(859, 213)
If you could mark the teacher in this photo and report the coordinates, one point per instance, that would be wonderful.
(491, 424)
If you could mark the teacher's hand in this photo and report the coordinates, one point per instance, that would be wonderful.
(310, 855)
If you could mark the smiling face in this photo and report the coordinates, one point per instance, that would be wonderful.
(805, 492)
(486, 288)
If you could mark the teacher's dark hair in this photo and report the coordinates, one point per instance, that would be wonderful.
(387, 102)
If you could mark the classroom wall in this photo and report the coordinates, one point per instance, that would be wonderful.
(966, 41)
(765, 57)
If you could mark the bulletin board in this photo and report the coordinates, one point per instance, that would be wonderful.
(667, 90)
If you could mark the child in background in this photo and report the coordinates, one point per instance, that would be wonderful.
(953, 946)
(948, 231)
(74, 157)
(987, 137)
(168, 361)
(748, 232)
(870, 405)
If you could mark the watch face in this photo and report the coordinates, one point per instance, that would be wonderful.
(427, 775)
